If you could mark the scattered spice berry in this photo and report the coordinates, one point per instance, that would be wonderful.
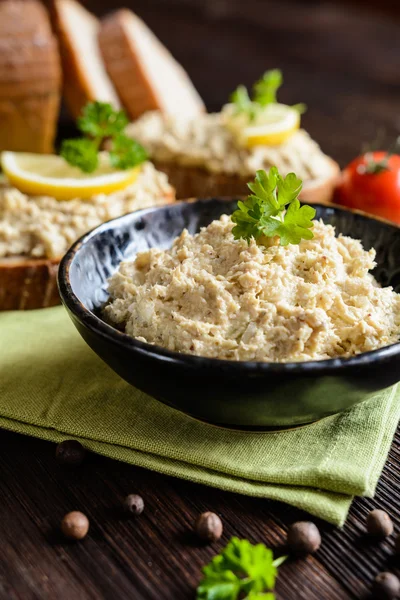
(70, 452)
(303, 538)
(133, 505)
(379, 524)
(208, 527)
(386, 586)
(75, 525)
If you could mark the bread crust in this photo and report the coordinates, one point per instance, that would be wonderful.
(29, 283)
(123, 66)
(30, 77)
(79, 86)
(129, 72)
(195, 182)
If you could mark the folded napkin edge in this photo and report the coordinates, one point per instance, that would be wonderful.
(330, 506)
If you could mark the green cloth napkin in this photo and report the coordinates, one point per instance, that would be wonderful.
(54, 387)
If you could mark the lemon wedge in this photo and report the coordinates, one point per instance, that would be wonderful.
(272, 126)
(51, 175)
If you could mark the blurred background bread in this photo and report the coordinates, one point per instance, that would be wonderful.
(85, 76)
(144, 72)
(30, 77)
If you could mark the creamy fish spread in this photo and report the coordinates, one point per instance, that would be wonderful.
(215, 296)
(206, 142)
(46, 227)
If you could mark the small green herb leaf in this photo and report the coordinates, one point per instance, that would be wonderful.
(265, 89)
(99, 122)
(288, 188)
(300, 108)
(264, 190)
(242, 103)
(273, 209)
(81, 153)
(126, 152)
(297, 224)
(100, 119)
(242, 570)
(264, 93)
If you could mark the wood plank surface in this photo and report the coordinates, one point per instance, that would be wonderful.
(344, 64)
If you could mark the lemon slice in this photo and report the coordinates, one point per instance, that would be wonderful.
(273, 126)
(51, 175)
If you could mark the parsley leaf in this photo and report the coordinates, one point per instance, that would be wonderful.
(300, 108)
(126, 152)
(288, 188)
(264, 93)
(265, 89)
(242, 103)
(81, 153)
(100, 121)
(242, 570)
(296, 225)
(273, 209)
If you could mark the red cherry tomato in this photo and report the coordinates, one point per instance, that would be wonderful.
(368, 186)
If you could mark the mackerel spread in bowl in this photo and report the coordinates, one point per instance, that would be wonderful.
(215, 296)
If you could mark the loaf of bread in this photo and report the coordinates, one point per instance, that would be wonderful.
(144, 73)
(30, 77)
(85, 77)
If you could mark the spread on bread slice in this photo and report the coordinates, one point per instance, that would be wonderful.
(145, 74)
(215, 154)
(35, 232)
(85, 77)
(47, 201)
(30, 77)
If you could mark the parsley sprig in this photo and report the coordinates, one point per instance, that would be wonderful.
(100, 122)
(273, 209)
(242, 570)
(264, 93)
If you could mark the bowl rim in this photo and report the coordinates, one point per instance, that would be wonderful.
(92, 322)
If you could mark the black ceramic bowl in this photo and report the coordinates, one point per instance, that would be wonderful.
(245, 394)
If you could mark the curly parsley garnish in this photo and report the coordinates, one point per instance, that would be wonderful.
(264, 93)
(100, 122)
(273, 209)
(242, 570)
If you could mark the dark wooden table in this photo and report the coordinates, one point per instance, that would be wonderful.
(345, 66)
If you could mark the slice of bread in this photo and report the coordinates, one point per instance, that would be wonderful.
(145, 74)
(27, 283)
(30, 77)
(85, 77)
(195, 182)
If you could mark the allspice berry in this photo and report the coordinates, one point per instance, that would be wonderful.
(379, 524)
(70, 452)
(386, 586)
(75, 525)
(208, 527)
(303, 538)
(133, 505)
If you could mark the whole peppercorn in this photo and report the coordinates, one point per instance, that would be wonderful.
(208, 527)
(379, 524)
(70, 452)
(133, 505)
(75, 525)
(303, 538)
(386, 586)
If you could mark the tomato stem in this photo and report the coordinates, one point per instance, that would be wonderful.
(374, 167)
